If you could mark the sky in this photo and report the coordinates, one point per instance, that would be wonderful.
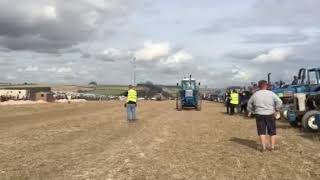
(221, 43)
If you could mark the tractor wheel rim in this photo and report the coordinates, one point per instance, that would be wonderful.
(312, 123)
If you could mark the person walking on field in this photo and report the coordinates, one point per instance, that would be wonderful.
(244, 98)
(264, 104)
(234, 101)
(131, 104)
(227, 101)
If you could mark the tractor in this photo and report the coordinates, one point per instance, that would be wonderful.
(302, 101)
(188, 95)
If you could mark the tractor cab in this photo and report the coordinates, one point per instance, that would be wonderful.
(188, 84)
(314, 79)
(309, 77)
(308, 82)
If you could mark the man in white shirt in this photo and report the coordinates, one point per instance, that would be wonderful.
(264, 104)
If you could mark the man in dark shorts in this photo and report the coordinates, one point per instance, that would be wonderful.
(264, 104)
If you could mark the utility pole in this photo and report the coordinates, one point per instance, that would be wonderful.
(134, 71)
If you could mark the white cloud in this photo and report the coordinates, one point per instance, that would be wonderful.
(64, 70)
(100, 4)
(153, 51)
(11, 77)
(31, 69)
(276, 55)
(179, 57)
(50, 12)
(113, 54)
(37, 12)
(240, 74)
(60, 70)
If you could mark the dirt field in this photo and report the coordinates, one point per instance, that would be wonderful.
(93, 141)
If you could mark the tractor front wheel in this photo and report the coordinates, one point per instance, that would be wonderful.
(309, 121)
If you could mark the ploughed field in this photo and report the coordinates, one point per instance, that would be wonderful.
(93, 141)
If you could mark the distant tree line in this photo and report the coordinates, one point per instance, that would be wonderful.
(93, 83)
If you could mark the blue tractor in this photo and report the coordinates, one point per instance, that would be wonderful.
(188, 95)
(302, 100)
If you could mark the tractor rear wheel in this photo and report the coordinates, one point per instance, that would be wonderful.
(284, 114)
(309, 121)
(178, 104)
(198, 107)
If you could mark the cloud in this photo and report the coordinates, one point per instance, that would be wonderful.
(33, 42)
(269, 13)
(48, 26)
(282, 38)
(64, 70)
(240, 74)
(85, 55)
(178, 57)
(286, 13)
(90, 33)
(308, 54)
(31, 69)
(60, 70)
(113, 55)
(243, 54)
(4, 50)
(150, 53)
(52, 69)
(7, 61)
(11, 77)
(213, 29)
(153, 51)
(276, 55)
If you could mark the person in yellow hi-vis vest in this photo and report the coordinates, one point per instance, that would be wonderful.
(234, 102)
(131, 104)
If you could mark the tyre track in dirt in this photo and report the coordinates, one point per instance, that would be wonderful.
(43, 136)
(92, 139)
(129, 148)
(44, 113)
(211, 145)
